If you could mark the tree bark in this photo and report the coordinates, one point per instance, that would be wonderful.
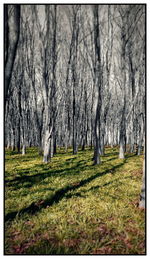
(47, 146)
(11, 35)
(19, 119)
(122, 136)
(142, 195)
(97, 104)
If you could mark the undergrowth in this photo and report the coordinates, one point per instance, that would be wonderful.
(70, 206)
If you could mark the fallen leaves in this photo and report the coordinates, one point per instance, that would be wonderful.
(137, 173)
(103, 250)
(16, 235)
(29, 223)
(71, 242)
(103, 229)
(134, 203)
(47, 236)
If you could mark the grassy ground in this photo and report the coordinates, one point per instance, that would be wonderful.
(70, 206)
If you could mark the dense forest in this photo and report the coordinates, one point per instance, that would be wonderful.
(75, 80)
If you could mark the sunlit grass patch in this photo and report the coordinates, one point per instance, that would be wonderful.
(69, 206)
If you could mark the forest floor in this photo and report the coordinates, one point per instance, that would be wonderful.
(70, 206)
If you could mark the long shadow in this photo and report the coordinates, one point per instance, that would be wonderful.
(111, 154)
(94, 188)
(116, 156)
(70, 160)
(79, 163)
(35, 178)
(43, 190)
(100, 186)
(38, 177)
(113, 158)
(28, 156)
(36, 207)
(128, 155)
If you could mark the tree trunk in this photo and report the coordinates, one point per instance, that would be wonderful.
(122, 138)
(23, 149)
(91, 135)
(12, 34)
(97, 142)
(19, 119)
(54, 144)
(141, 131)
(40, 141)
(9, 140)
(23, 136)
(121, 150)
(97, 104)
(74, 125)
(122, 134)
(74, 77)
(13, 139)
(142, 195)
(52, 147)
(102, 149)
(47, 147)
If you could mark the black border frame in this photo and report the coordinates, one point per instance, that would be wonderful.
(145, 4)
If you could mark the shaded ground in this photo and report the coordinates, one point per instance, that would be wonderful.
(70, 206)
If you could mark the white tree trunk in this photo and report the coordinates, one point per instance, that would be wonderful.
(121, 150)
(47, 146)
(23, 149)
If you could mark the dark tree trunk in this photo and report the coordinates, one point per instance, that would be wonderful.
(11, 39)
(142, 195)
(19, 119)
(97, 104)
(122, 138)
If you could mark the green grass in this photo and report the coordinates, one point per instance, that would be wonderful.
(70, 206)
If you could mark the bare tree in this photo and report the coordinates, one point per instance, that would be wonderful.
(97, 85)
(77, 85)
(49, 80)
(12, 30)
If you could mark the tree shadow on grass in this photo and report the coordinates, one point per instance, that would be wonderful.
(95, 188)
(129, 155)
(70, 159)
(28, 156)
(113, 158)
(59, 195)
(30, 180)
(111, 154)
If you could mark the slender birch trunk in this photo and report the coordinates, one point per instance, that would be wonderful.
(97, 86)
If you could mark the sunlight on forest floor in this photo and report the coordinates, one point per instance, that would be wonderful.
(69, 206)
